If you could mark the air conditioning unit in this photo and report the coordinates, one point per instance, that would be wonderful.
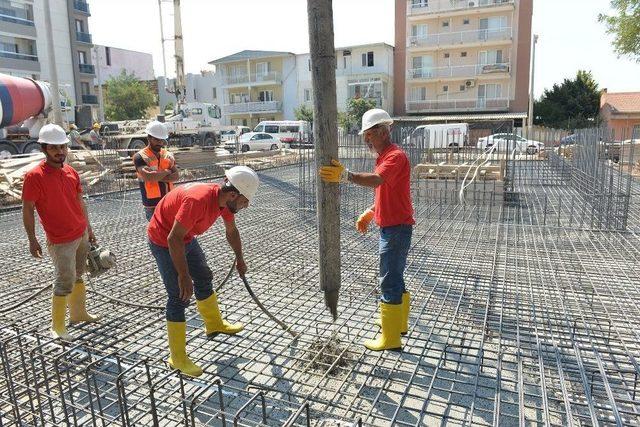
(470, 83)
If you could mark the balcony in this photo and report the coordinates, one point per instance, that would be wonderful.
(460, 38)
(254, 107)
(16, 55)
(81, 6)
(459, 72)
(416, 8)
(16, 15)
(90, 99)
(457, 105)
(272, 77)
(87, 68)
(83, 37)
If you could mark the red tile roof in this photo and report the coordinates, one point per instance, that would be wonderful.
(622, 102)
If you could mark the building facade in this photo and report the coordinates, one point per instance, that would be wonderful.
(364, 71)
(111, 61)
(621, 113)
(23, 47)
(462, 56)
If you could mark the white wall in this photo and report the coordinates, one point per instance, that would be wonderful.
(138, 63)
(65, 62)
(289, 87)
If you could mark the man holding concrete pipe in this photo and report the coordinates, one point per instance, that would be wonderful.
(181, 215)
(393, 212)
(53, 189)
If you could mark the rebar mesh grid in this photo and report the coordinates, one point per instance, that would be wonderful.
(521, 315)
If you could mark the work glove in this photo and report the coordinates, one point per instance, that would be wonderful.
(336, 173)
(362, 223)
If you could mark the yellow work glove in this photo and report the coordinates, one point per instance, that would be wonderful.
(362, 223)
(335, 173)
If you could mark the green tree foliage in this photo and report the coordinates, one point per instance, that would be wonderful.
(127, 98)
(356, 107)
(304, 112)
(573, 104)
(624, 25)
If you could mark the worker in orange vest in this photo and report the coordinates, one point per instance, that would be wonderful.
(156, 168)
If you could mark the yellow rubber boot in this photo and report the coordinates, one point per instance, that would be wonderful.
(213, 322)
(406, 307)
(58, 311)
(177, 333)
(77, 302)
(389, 339)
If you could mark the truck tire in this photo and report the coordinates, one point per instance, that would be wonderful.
(32, 147)
(7, 150)
(245, 148)
(137, 144)
(209, 140)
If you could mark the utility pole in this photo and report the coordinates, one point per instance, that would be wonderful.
(325, 134)
(180, 85)
(531, 94)
(99, 78)
(53, 71)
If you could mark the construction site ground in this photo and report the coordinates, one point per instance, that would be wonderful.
(514, 321)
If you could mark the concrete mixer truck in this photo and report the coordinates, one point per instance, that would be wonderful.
(24, 108)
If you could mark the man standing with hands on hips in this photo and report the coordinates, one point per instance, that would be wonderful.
(393, 212)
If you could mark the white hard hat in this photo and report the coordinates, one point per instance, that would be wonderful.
(375, 116)
(157, 130)
(52, 134)
(244, 179)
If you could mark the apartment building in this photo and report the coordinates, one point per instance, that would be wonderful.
(462, 56)
(23, 46)
(364, 71)
(112, 61)
(256, 85)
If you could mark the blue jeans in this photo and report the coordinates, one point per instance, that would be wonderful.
(198, 269)
(394, 248)
(148, 212)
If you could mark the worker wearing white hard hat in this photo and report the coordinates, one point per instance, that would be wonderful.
(156, 167)
(183, 214)
(53, 189)
(393, 212)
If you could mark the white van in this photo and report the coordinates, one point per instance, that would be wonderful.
(439, 136)
(292, 132)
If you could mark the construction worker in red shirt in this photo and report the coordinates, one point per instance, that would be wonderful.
(187, 211)
(393, 212)
(155, 167)
(53, 189)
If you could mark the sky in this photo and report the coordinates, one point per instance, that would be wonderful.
(570, 36)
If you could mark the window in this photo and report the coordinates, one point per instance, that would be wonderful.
(307, 95)
(237, 98)
(367, 59)
(309, 60)
(107, 55)
(262, 68)
(84, 88)
(446, 55)
(465, 21)
(490, 91)
(636, 132)
(463, 88)
(79, 26)
(463, 54)
(82, 57)
(490, 57)
(419, 31)
(445, 88)
(445, 24)
(214, 93)
(265, 95)
(195, 95)
(271, 129)
(419, 3)
(418, 94)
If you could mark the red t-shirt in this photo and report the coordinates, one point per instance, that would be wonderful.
(194, 206)
(55, 193)
(392, 204)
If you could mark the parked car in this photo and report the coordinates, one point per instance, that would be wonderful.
(569, 139)
(510, 141)
(452, 135)
(292, 132)
(254, 141)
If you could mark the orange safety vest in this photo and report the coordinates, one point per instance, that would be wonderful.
(165, 162)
